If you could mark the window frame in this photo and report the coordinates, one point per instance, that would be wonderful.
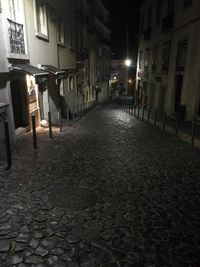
(155, 59)
(70, 83)
(146, 59)
(140, 57)
(61, 40)
(181, 55)
(159, 12)
(165, 60)
(71, 37)
(187, 4)
(41, 35)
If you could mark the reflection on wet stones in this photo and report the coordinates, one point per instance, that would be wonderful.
(73, 198)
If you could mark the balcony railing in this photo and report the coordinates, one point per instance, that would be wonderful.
(16, 37)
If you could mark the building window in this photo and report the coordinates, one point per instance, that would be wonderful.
(149, 18)
(16, 31)
(140, 59)
(165, 58)
(41, 19)
(12, 9)
(155, 59)
(16, 12)
(170, 7)
(100, 51)
(198, 111)
(159, 12)
(142, 25)
(61, 32)
(71, 38)
(71, 83)
(16, 37)
(146, 59)
(181, 55)
(187, 3)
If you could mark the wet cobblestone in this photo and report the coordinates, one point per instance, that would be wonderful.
(147, 187)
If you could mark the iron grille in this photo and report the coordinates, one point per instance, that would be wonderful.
(16, 37)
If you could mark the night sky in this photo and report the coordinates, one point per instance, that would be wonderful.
(124, 17)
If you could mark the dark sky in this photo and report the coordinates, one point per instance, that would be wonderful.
(124, 17)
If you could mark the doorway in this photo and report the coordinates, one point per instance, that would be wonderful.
(19, 103)
(43, 101)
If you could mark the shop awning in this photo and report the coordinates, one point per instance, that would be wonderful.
(28, 69)
(54, 70)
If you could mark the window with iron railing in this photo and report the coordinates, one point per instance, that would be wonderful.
(16, 37)
(15, 27)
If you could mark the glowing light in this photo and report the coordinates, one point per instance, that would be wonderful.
(127, 62)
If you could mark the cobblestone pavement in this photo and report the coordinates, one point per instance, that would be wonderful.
(110, 191)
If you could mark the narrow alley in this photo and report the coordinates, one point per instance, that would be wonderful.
(108, 191)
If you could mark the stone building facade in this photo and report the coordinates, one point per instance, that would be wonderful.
(168, 69)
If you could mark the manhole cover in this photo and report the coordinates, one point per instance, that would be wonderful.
(73, 198)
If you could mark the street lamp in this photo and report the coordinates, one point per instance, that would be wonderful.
(128, 64)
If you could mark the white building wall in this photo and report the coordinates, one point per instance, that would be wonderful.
(47, 51)
(5, 95)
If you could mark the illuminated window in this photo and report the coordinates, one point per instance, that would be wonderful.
(41, 19)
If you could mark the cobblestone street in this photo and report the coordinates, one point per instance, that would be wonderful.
(109, 191)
